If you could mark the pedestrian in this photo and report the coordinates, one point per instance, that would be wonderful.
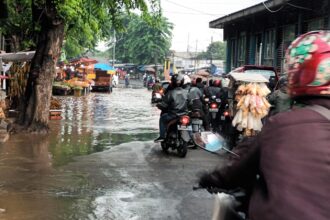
(286, 166)
(280, 99)
(127, 80)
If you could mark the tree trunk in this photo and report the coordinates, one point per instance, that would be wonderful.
(36, 104)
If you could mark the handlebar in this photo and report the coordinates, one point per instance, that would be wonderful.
(238, 192)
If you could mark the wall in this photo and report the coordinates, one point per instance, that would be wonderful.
(263, 38)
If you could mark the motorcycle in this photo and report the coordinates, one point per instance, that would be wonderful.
(228, 204)
(157, 96)
(213, 105)
(226, 128)
(178, 137)
(150, 85)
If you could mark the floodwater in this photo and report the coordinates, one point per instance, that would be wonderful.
(34, 180)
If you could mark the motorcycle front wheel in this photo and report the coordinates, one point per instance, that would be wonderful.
(164, 147)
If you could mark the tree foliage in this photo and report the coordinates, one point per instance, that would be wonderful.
(46, 23)
(144, 42)
(215, 51)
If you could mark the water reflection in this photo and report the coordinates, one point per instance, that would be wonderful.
(98, 121)
(32, 182)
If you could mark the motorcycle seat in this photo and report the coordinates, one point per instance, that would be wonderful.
(172, 122)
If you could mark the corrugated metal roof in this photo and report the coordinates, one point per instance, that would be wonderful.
(220, 22)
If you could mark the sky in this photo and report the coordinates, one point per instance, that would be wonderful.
(191, 20)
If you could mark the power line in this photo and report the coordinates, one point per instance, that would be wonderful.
(271, 11)
(178, 12)
(299, 7)
(183, 6)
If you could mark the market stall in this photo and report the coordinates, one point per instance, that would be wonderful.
(249, 104)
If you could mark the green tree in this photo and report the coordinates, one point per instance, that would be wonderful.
(144, 42)
(215, 51)
(82, 22)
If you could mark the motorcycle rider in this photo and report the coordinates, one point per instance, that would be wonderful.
(214, 89)
(174, 103)
(280, 99)
(200, 85)
(288, 163)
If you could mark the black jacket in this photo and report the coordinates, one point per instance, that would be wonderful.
(175, 101)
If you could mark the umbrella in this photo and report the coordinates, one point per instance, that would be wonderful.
(203, 72)
(150, 69)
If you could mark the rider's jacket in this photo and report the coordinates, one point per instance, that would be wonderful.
(287, 167)
(213, 91)
(175, 101)
(195, 99)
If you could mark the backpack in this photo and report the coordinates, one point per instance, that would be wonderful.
(321, 110)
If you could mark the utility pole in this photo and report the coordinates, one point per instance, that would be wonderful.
(114, 48)
(211, 50)
(188, 43)
(196, 56)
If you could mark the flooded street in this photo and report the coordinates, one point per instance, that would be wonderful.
(99, 162)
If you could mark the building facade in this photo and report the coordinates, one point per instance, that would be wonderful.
(260, 35)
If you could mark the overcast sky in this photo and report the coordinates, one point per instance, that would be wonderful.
(191, 20)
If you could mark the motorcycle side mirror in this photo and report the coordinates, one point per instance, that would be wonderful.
(211, 142)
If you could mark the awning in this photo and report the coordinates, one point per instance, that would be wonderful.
(20, 56)
(243, 77)
(105, 67)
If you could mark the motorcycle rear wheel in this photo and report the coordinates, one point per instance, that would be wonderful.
(182, 149)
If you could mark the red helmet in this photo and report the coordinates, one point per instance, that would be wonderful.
(193, 82)
(308, 65)
(217, 83)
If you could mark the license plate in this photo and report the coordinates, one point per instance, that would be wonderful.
(184, 128)
(197, 122)
(223, 117)
(158, 96)
(213, 110)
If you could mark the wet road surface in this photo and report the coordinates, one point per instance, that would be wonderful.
(99, 162)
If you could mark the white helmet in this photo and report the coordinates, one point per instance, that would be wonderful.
(186, 80)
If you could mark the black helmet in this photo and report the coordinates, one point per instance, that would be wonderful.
(283, 81)
(177, 80)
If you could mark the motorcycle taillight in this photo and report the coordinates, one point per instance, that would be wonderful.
(226, 113)
(214, 105)
(184, 120)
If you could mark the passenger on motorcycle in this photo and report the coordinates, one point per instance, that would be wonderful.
(286, 166)
(186, 82)
(157, 86)
(196, 103)
(174, 103)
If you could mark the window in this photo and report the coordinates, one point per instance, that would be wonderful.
(241, 49)
(232, 54)
(316, 24)
(269, 48)
(289, 34)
